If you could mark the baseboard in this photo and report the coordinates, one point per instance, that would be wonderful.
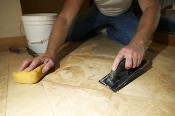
(164, 38)
(19, 42)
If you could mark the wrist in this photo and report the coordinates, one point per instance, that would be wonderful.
(142, 40)
(142, 44)
(138, 45)
(50, 55)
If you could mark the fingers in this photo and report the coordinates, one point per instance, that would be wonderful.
(133, 55)
(134, 60)
(34, 64)
(117, 60)
(139, 61)
(129, 62)
(31, 64)
(48, 65)
(25, 64)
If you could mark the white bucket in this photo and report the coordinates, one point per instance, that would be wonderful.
(37, 28)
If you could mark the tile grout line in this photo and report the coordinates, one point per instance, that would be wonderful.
(87, 89)
(48, 99)
(76, 86)
(91, 55)
(157, 99)
(107, 91)
(109, 104)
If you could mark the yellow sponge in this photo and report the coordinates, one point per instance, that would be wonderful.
(29, 77)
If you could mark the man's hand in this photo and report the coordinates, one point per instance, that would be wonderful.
(133, 54)
(30, 64)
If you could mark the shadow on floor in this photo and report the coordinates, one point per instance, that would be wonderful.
(160, 42)
(66, 50)
(156, 47)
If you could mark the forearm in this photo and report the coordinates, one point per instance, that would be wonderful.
(147, 25)
(57, 36)
(61, 26)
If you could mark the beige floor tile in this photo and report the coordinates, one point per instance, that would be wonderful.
(99, 46)
(151, 85)
(69, 47)
(16, 60)
(160, 80)
(3, 95)
(157, 47)
(83, 71)
(25, 99)
(4, 58)
(74, 101)
(102, 39)
(122, 105)
(14, 63)
(29, 102)
(164, 63)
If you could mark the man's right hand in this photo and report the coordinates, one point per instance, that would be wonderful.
(31, 64)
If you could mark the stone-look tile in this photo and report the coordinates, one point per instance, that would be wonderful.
(30, 102)
(151, 85)
(74, 101)
(83, 71)
(102, 39)
(73, 88)
(25, 99)
(123, 105)
(16, 60)
(14, 63)
(3, 95)
(69, 47)
(99, 46)
(164, 63)
(4, 58)
(157, 47)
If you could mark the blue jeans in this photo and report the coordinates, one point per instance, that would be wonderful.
(166, 25)
(119, 28)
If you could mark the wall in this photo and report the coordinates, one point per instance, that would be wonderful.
(45, 6)
(10, 18)
(41, 6)
(10, 13)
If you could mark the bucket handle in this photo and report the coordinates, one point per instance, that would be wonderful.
(38, 42)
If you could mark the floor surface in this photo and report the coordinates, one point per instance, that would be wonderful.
(73, 89)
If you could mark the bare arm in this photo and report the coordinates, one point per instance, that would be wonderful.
(134, 52)
(57, 36)
(62, 25)
(147, 23)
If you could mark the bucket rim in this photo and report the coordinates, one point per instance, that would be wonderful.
(40, 15)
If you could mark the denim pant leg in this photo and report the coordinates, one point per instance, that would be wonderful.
(123, 27)
(166, 25)
(86, 24)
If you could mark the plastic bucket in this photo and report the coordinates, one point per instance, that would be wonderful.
(37, 28)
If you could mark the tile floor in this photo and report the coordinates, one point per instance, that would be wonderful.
(73, 89)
